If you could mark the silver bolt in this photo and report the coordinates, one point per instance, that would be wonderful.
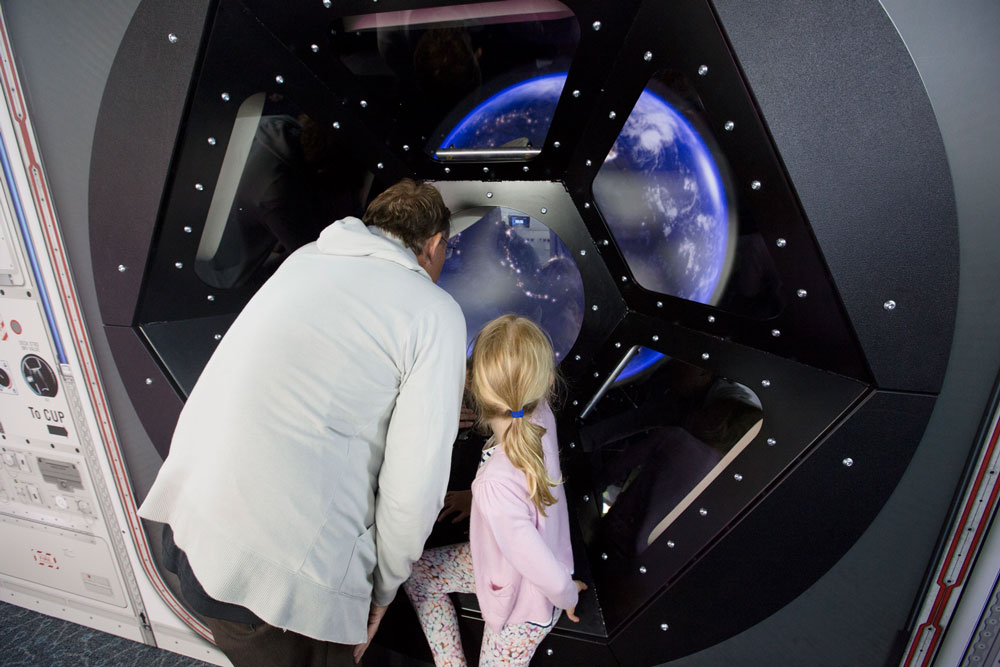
(612, 115)
(586, 204)
(178, 265)
(618, 344)
(586, 499)
(172, 38)
(406, 147)
(210, 297)
(765, 383)
(218, 336)
(572, 445)
(781, 243)
(315, 48)
(703, 511)
(889, 305)
(122, 268)
(576, 93)
(655, 338)
(548, 651)
(525, 169)
(279, 79)
(659, 304)
(755, 185)
(703, 70)
(486, 170)
(729, 126)
(364, 104)
(225, 97)
(327, 3)
(489, 195)
(211, 141)
(187, 230)
(544, 210)
(556, 144)
(771, 442)
(588, 163)
(624, 279)
(670, 544)
(647, 56)
(583, 253)
(596, 25)
(848, 462)
(336, 124)
(597, 375)
(447, 170)
(576, 358)
(149, 380)
(776, 332)
(802, 294)
(711, 319)
(705, 356)
(380, 166)
(642, 569)
(576, 402)
(199, 187)
(664, 627)
(594, 307)
(604, 242)
(604, 556)
(738, 477)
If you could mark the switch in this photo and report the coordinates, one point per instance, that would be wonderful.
(35, 496)
(8, 459)
(22, 462)
(61, 502)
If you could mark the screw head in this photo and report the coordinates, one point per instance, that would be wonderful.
(572, 445)
(729, 126)
(604, 556)
(556, 144)
(655, 338)
(172, 38)
(525, 169)
(765, 383)
(664, 627)
(336, 124)
(225, 97)
(703, 511)
(659, 304)
(771, 442)
(618, 344)
(187, 230)
(594, 307)
(624, 279)
(149, 380)
(755, 185)
(596, 25)
(576, 357)
(380, 166)
(612, 115)
(848, 462)
(199, 187)
(647, 56)
(738, 477)
(705, 356)
(210, 297)
(406, 147)
(583, 253)
(211, 141)
(486, 170)
(544, 210)
(576, 93)
(364, 104)
(586, 499)
(702, 70)
(447, 170)
(642, 569)
(711, 319)
(314, 48)
(889, 305)
(588, 163)
(489, 195)
(218, 336)
(548, 651)
(178, 265)
(802, 294)
(122, 268)
(671, 544)
(781, 243)
(327, 3)
(776, 332)
(279, 79)
(586, 204)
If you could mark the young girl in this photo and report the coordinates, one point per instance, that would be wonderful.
(519, 561)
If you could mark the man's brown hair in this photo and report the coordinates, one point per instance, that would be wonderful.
(412, 211)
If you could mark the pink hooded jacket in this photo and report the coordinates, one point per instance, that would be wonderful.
(523, 561)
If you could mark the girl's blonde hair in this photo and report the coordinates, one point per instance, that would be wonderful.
(513, 369)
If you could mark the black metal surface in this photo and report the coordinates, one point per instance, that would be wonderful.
(846, 106)
(800, 529)
(185, 346)
(151, 390)
(138, 124)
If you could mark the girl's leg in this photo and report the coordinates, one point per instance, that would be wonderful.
(438, 572)
(514, 645)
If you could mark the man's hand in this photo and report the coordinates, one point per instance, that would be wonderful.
(375, 615)
(456, 502)
(571, 613)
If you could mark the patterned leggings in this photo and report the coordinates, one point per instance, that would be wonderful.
(447, 570)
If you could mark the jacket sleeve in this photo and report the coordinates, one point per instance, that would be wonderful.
(422, 429)
(508, 513)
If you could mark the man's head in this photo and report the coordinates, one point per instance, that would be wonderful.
(414, 212)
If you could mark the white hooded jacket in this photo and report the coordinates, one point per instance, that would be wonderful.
(312, 457)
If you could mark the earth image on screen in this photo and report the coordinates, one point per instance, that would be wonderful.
(659, 188)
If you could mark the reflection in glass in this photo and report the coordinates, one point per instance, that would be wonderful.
(658, 441)
(283, 179)
(436, 64)
(504, 261)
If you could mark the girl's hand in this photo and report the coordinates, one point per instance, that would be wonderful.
(571, 613)
(459, 502)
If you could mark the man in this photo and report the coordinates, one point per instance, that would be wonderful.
(311, 458)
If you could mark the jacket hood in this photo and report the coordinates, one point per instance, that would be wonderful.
(350, 237)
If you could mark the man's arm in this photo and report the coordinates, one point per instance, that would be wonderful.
(414, 474)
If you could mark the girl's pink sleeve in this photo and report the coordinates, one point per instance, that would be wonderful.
(508, 515)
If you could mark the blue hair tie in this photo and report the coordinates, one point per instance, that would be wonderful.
(517, 414)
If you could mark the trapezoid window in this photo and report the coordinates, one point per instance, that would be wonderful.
(665, 194)
(658, 438)
(501, 260)
(474, 79)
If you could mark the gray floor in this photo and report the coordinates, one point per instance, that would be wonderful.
(30, 639)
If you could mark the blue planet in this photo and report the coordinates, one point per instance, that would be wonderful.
(659, 190)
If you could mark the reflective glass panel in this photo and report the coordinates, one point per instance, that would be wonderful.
(468, 76)
(283, 179)
(658, 439)
(664, 192)
(502, 260)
